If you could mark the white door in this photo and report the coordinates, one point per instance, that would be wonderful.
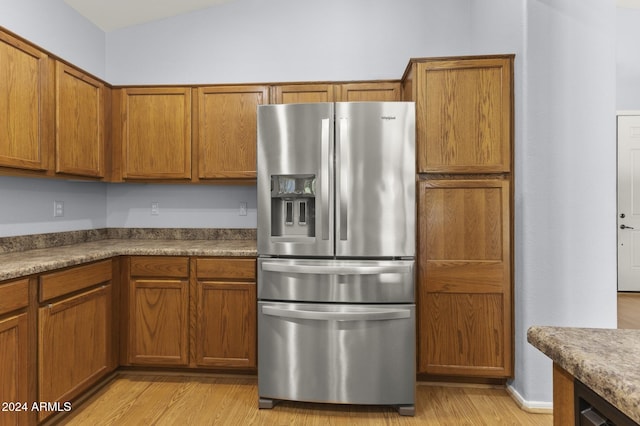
(629, 203)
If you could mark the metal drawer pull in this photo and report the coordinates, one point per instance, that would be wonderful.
(370, 315)
(336, 270)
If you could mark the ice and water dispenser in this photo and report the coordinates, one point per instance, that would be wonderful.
(293, 205)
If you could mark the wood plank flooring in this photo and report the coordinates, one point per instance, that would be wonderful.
(628, 310)
(142, 399)
(133, 399)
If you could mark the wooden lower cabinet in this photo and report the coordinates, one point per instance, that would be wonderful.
(74, 345)
(159, 311)
(14, 352)
(465, 320)
(191, 312)
(74, 332)
(225, 332)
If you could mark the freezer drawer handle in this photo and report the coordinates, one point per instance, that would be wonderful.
(372, 315)
(336, 270)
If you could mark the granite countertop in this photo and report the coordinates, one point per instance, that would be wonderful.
(22, 263)
(606, 360)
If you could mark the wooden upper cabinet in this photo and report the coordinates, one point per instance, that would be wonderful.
(80, 123)
(464, 278)
(25, 105)
(226, 130)
(154, 132)
(302, 93)
(365, 92)
(463, 114)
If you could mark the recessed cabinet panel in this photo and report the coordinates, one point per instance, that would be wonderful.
(226, 324)
(13, 367)
(159, 322)
(369, 92)
(25, 110)
(80, 129)
(74, 345)
(466, 332)
(156, 133)
(226, 129)
(463, 115)
(464, 278)
(303, 93)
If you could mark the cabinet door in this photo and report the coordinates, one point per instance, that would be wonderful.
(225, 296)
(464, 283)
(303, 93)
(13, 367)
(25, 105)
(227, 128)
(226, 324)
(159, 321)
(74, 345)
(155, 133)
(365, 92)
(464, 115)
(80, 127)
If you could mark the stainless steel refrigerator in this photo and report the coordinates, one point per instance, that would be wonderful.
(336, 247)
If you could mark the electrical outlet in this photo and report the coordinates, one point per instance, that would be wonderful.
(243, 208)
(58, 208)
(155, 208)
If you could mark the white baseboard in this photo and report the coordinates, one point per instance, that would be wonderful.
(530, 406)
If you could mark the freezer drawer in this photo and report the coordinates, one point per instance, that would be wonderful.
(353, 354)
(330, 280)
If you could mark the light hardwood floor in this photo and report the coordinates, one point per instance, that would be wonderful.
(628, 310)
(133, 399)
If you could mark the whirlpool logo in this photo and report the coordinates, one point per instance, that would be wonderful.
(388, 117)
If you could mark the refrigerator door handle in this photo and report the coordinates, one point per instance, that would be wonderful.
(359, 315)
(324, 178)
(343, 184)
(336, 269)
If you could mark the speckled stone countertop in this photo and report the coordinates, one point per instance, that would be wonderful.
(606, 360)
(33, 261)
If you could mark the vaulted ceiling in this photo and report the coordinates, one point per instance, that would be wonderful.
(113, 14)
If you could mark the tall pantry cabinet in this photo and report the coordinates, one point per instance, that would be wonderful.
(464, 142)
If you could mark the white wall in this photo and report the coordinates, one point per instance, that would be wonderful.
(27, 206)
(628, 59)
(59, 29)
(181, 206)
(566, 202)
(288, 40)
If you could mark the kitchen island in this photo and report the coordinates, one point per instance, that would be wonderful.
(604, 360)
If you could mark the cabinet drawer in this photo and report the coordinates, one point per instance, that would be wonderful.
(160, 266)
(14, 295)
(60, 283)
(235, 269)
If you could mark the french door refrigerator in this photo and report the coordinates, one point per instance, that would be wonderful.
(336, 247)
